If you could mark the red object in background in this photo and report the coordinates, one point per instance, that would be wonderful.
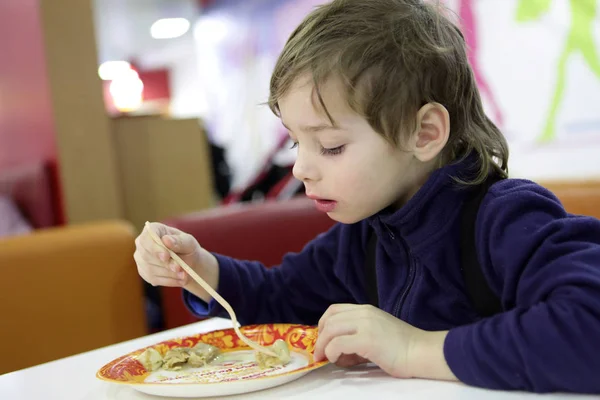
(205, 3)
(56, 192)
(33, 188)
(28, 154)
(263, 232)
(156, 84)
(27, 132)
(156, 88)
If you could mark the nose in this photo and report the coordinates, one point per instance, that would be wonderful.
(305, 169)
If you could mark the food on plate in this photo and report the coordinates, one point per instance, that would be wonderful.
(176, 358)
(151, 359)
(283, 355)
(202, 354)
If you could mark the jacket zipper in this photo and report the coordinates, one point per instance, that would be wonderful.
(410, 280)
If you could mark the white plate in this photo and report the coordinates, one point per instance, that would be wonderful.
(235, 372)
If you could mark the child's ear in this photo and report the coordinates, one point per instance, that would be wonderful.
(433, 130)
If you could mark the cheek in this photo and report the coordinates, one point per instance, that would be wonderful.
(359, 174)
(355, 181)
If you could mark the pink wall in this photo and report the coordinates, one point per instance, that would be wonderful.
(26, 124)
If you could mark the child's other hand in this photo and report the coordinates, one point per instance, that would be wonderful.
(351, 334)
(154, 263)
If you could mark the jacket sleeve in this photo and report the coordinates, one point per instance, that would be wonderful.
(544, 264)
(299, 290)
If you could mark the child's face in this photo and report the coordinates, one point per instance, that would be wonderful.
(354, 169)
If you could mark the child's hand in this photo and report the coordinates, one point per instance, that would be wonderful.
(154, 263)
(350, 334)
(156, 266)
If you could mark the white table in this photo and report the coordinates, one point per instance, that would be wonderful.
(73, 378)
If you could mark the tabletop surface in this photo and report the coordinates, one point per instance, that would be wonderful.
(73, 378)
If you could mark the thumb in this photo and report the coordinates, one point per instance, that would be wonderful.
(180, 243)
(172, 242)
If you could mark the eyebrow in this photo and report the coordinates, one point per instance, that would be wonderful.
(313, 128)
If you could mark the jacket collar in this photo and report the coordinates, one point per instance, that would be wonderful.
(424, 219)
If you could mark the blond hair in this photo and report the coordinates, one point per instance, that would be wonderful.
(393, 57)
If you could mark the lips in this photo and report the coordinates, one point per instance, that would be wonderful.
(323, 205)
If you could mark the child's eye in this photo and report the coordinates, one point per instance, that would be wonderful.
(333, 151)
(293, 146)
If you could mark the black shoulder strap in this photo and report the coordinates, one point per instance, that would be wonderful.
(484, 300)
(371, 270)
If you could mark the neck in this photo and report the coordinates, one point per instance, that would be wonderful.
(421, 171)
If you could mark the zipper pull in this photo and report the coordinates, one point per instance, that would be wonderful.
(392, 236)
(387, 228)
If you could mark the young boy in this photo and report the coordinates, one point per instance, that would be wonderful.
(393, 141)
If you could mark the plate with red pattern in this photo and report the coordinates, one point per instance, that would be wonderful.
(216, 363)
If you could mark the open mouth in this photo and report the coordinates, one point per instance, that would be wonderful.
(324, 205)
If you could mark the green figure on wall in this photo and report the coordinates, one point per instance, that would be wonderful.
(580, 39)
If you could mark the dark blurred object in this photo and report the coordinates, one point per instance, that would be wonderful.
(273, 182)
(267, 185)
(221, 170)
(34, 189)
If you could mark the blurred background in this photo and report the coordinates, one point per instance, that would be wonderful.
(136, 110)
(81, 80)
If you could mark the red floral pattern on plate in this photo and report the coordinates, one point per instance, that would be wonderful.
(300, 338)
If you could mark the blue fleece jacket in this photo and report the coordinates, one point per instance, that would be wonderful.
(543, 263)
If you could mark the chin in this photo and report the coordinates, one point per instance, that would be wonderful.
(344, 218)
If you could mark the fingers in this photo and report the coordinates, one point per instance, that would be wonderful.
(166, 282)
(162, 229)
(183, 276)
(159, 276)
(175, 240)
(160, 259)
(350, 360)
(341, 320)
(171, 242)
(154, 261)
(144, 241)
(347, 344)
(157, 272)
(331, 331)
(336, 309)
(180, 243)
